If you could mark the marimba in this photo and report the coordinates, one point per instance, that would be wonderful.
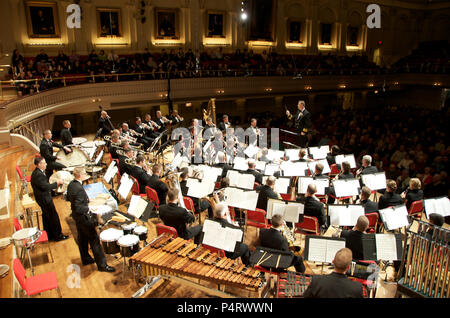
(166, 255)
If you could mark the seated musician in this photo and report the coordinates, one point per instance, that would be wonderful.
(46, 151)
(266, 192)
(390, 198)
(318, 172)
(175, 216)
(369, 206)
(274, 239)
(156, 184)
(345, 172)
(127, 134)
(242, 251)
(208, 130)
(103, 124)
(224, 124)
(336, 284)
(331, 157)
(139, 172)
(124, 167)
(138, 127)
(66, 135)
(174, 118)
(161, 121)
(252, 170)
(366, 167)
(302, 157)
(115, 139)
(264, 153)
(198, 205)
(413, 193)
(313, 207)
(154, 127)
(221, 163)
(353, 238)
(218, 143)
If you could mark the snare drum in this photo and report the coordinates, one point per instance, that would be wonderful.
(109, 240)
(141, 231)
(99, 211)
(78, 140)
(66, 176)
(25, 237)
(128, 228)
(129, 245)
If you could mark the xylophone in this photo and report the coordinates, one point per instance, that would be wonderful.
(292, 285)
(166, 255)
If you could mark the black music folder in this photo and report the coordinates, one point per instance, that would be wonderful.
(271, 258)
(374, 252)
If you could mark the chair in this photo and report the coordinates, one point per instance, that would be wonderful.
(42, 239)
(373, 222)
(152, 196)
(219, 252)
(232, 213)
(287, 196)
(310, 225)
(416, 209)
(334, 170)
(135, 190)
(110, 157)
(35, 284)
(161, 228)
(369, 285)
(24, 179)
(257, 219)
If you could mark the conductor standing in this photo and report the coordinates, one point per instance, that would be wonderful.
(87, 235)
(302, 123)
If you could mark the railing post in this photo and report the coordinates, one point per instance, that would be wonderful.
(93, 79)
(117, 77)
(1, 89)
(64, 81)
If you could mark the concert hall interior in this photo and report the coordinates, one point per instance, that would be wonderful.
(236, 148)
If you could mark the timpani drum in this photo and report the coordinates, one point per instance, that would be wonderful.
(78, 140)
(88, 144)
(109, 239)
(77, 157)
(129, 245)
(66, 176)
(141, 232)
(128, 228)
(99, 211)
(26, 236)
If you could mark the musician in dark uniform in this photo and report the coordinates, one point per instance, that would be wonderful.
(46, 150)
(87, 234)
(313, 207)
(156, 184)
(302, 123)
(390, 198)
(42, 193)
(272, 238)
(242, 251)
(113, 149)
(413, 193)
(353, 238)
(124, 167)
(331, 157)
(252, 170)
(152, 125)
(139, 172)
(198, 205)
(366, 166)
(104, 125)
(266, 192)
(160, 121)
(175, 119)
(224, 124)
(336, 284)
(369, 206)
(66, 135)
(139, 128)
(175, 216)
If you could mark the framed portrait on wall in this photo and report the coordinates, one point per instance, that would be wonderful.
(261, 22)
(109, 22)
(167, 23)
(294, 31)
(215, 24)
(42, 19)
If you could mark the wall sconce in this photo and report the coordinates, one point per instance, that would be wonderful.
(342, 86)
(188, 104)
(96, 100)
(370, 84)
(220, 91)
(308, 88)
(437, 84)
(268, 89)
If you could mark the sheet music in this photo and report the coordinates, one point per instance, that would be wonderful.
(201, 189)
(375, 181)
(319, 152)
(99, 157)
(137, 206)
(275, 154)
(386, 247)
(292, 154)
(221, 237)
(304, 182)
(349, 158)
(271, 169)
(324, 162)
(111, 171)
(210, 173)
(323, 250)
(239, 198)
(395, 217)
(177, 160)
(281, 184)
(345, 215)
(251, 151)
(241, 180)
(125, 185)
(437, 205)
(346, 188)
(289, 211)
(293, 169)
(240, 164)
(260, 165)
(333, 246)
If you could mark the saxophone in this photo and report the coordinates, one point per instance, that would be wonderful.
(289, 235)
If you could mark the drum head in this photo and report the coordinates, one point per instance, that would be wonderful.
(66, 176)
(140, 230)
(111, 235)
(100, 209)
(75, 158)
(128, 240)
(128, 227)
(78, 140)
(88, 144)
(100, 143)
(24, 233)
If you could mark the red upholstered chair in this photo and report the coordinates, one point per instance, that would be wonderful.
(42, 239)
(110, 157)
(189, 204)
(287, 196)
(310, 225)
(373, 222)
(161, 228)
(257, 219)
(23, 179)
(152, 196)
(219, 252)
(232, 213)
(334, 170)
(416, 209)
(35, 284)
(135, 190)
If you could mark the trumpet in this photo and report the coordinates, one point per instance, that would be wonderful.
(119, 148)
(135, 133)
(130, 161)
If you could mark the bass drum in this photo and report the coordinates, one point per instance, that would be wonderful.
(66, 176)
(75, 158)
